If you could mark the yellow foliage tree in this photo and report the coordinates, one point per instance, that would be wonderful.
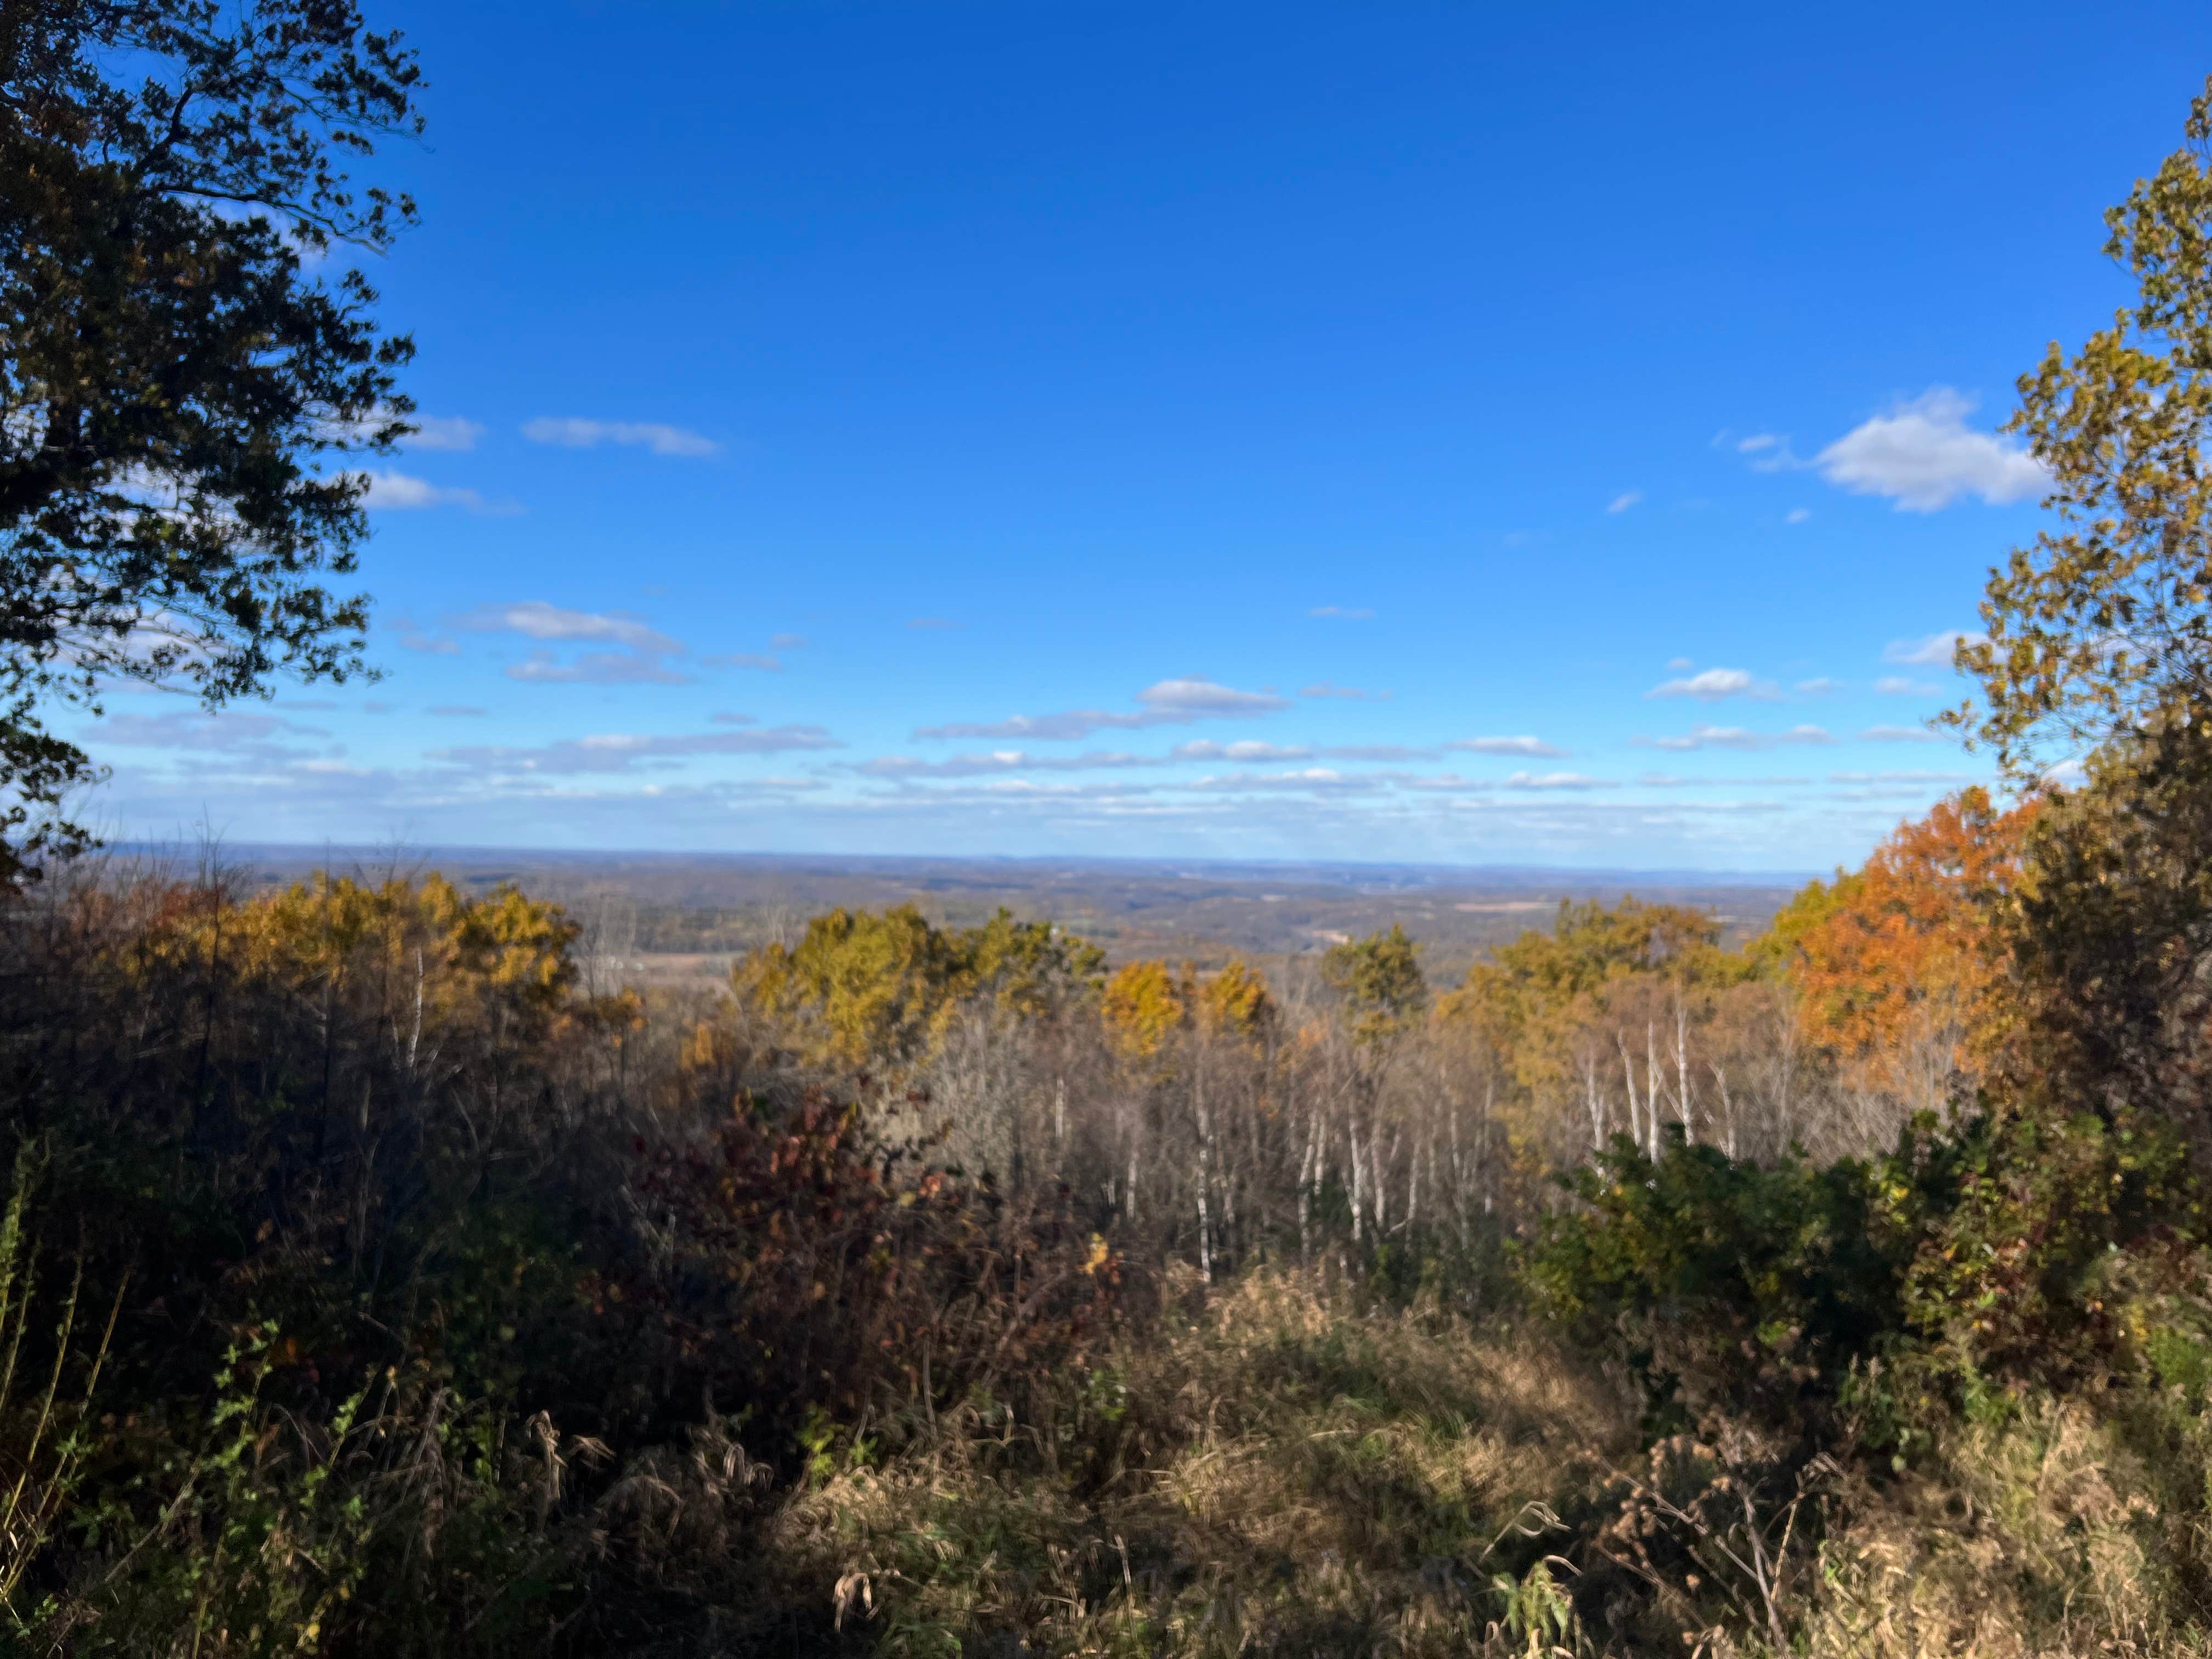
(875, 988)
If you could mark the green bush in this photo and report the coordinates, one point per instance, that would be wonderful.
(2010, 1250)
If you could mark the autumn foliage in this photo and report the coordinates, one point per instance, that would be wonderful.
(1899, 963)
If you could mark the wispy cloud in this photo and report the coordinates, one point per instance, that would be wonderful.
(449, 433)
(1797, 515)
(786, 642)
(1734, 736)
(412, 637)
(1347, 693)
(1170, 702)
(1249, 749)
(1902, 685)
(641, 660)
(1901, 734)
(195, 729)
(1934, 651)
(401, 492)
(1923, 456)
(1902, 777)
(572, 433)
(1622, 502)
(1714, 683)
(1375, 751)
(461, 711)
(744, 659)
(1554, 780)
(1533, 748)
(1341, 613)
(998, 763)
(596, 668)
(261, 743)
(622, 751)
(538, 620)
(1309, 780)
(1665, 780)
(1767, 451)
(1816, 688)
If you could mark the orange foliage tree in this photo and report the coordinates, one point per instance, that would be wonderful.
(1897, 961)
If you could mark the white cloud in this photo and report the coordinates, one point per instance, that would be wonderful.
(1680, 665)
(1933, 651)
(787, 641)
(1797, 515)
(1554, 781)
(1714, 683)
(1376, 751)
(1900, 734)
(997, 762)
(1768, 452)
(641, 660)
(191, 731)
(1535, 748)
(1349, 693)
(1668, 780)
(1816, 688)
(1311, 780)
(1902, 777)
(1341, 613)
(449, 433)
(1248, 750)
(1923, 456)
(1170, 702)
(596, 668)
(400, 492)
(1901, 685)
(1736, 737)
(1626, 499)
(574, 434)
(1196, 698)
(413, 638)
(620, 752)
(538, 620)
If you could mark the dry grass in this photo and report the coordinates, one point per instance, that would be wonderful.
(1282, 1474)
(2043, 1536)
(1287, 1473)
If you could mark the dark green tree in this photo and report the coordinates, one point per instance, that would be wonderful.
(178, 386)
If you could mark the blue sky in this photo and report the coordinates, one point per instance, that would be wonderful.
(1435, 432)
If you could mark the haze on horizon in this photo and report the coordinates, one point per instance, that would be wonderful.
(1301, 433)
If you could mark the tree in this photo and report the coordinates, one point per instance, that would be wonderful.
(2111, 936)
(175, 381)
(864, 988)
(1381, 981)
(2105, 624)
(1897, 962)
